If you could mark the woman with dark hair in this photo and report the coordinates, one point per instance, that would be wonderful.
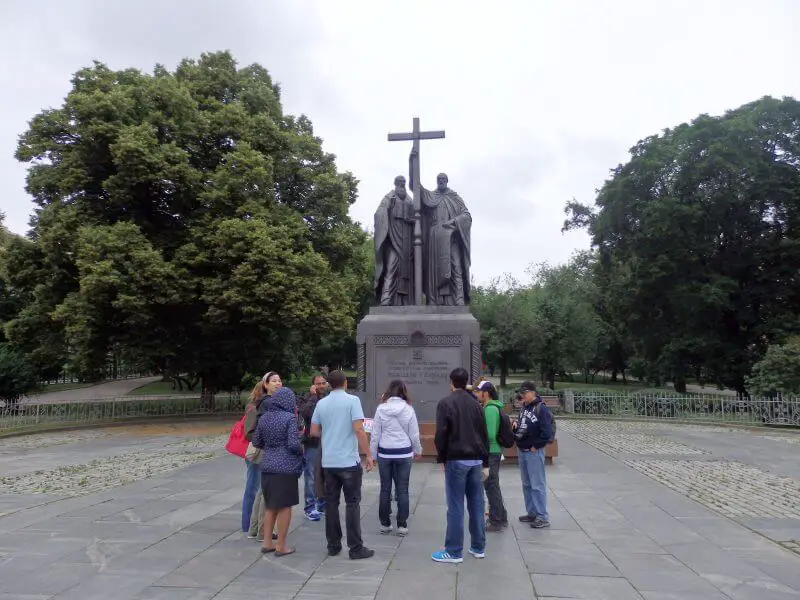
(278, 436)
(252, 501)
(395, 442)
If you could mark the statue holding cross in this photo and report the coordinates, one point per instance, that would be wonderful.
(442, 226)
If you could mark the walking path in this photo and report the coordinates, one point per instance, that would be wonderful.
(617, 531)
(101, 391)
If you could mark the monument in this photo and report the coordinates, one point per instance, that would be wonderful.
(421, 328)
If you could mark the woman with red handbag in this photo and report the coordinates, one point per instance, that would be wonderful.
(255, 408)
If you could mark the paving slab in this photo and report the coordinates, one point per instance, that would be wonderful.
(624, 524)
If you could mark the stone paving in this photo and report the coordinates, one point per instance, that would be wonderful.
(617, 532)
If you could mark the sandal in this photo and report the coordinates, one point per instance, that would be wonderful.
(287, 553)
(267, 550)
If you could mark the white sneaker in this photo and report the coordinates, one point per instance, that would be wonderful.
(477, 553)
(386, 529)
(402, 531)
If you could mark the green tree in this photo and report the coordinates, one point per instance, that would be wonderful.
(184, 221)
(704, 224)
(778, 371)
(565, 329)
(501, 318)
(17, 376)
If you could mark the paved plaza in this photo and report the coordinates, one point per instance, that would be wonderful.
(639, 510)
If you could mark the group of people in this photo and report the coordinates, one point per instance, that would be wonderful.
(322, 437)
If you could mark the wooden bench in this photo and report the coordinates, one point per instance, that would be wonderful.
(427, 431)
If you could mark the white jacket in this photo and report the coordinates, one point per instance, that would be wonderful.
(395, 431)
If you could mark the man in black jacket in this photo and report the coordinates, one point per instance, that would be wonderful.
(462, 444)
(314, 504)
(533, 430)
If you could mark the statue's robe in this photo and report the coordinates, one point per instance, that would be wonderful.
(446, 250)
(394, 230)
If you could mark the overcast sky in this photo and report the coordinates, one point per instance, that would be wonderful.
(539, 99)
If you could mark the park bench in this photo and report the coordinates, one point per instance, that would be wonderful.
(427, 431)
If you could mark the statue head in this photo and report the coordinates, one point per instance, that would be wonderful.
(400, 186)
(441, 182)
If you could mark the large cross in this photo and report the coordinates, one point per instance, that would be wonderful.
(416, 135)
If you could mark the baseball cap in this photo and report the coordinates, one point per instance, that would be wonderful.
(486, 386)
(527, 386)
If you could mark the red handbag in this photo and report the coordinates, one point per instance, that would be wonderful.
(237, 443)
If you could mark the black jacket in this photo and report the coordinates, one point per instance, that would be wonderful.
(305, 411)
(534, 426)
(461, 429)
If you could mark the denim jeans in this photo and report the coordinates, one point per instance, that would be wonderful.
(337, 481)
(461, 481)
(397, 470)
(497, 510)
(534, 483)
(309, 461)
(252, 484)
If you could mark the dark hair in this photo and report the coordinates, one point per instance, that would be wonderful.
(314, 377)
(337, 379)
(459, 378)
(396, 388)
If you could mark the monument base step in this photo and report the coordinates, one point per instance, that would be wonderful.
(427, 431)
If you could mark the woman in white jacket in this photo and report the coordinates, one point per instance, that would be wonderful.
(394, 443)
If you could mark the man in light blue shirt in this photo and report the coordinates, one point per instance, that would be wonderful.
(339, 420)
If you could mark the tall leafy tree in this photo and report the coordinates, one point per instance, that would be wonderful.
(502, 318)
(704, 224)
(184, 218)
(779, 370)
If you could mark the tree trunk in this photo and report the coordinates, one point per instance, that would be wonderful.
(624, 378)
(614, 375)
(503, 371)
(551, 379)
(209, 392)
(680, 384)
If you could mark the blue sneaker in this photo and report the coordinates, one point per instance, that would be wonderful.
(444, 556)
(313, 515)
(477, 553)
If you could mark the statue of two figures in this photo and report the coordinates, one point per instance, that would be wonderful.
(445, 237)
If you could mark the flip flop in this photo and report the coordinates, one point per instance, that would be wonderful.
(267, 550)
(287, 553)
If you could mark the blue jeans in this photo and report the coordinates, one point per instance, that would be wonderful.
(397, 470)
(252, 483)
(534, 483)
(311, 500)
(461, 481)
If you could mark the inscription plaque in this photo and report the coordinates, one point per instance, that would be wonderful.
(420, 345)
(425, 371)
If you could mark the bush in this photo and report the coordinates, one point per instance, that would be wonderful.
(17, 376)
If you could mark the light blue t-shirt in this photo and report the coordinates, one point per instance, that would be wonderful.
(335, 413)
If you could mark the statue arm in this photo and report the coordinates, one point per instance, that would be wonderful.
(464, 220)
(381, 223)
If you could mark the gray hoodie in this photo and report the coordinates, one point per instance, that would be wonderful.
(395, 431)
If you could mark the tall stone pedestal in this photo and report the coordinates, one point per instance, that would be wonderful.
(420, 345)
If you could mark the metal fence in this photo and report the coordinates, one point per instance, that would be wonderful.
(20, 417)
(701, 407)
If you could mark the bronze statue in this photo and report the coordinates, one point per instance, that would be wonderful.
(446, 226)
(394, 228)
